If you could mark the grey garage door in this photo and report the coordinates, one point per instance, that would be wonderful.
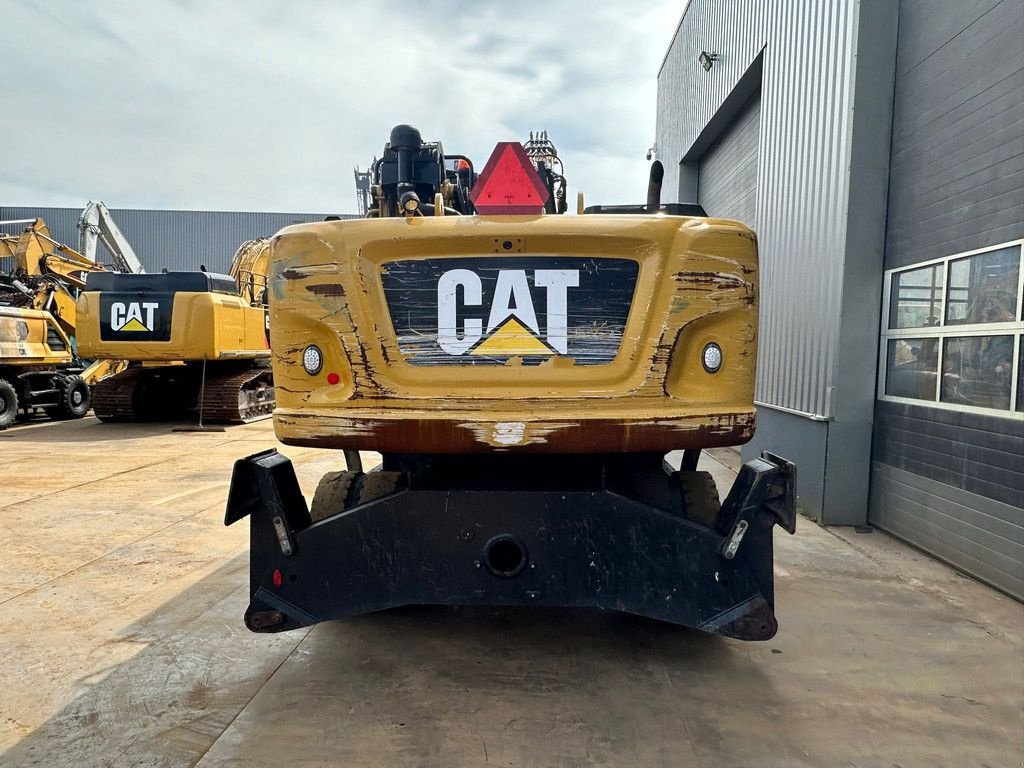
(727, 180)
(946, 479)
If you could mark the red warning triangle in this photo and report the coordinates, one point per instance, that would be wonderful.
(509, 183)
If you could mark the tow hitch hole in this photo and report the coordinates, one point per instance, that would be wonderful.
(504, 555)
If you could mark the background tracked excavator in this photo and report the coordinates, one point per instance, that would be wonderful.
(39, 363)
(523, 375)
(192, 339)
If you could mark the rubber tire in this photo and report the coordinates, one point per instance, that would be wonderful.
(69, 408)
(376, 485)
(339, 491)
(700, 497)
(331, 496)
(9, 403)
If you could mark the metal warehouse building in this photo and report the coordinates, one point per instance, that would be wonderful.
(877, 147)
(173, 240)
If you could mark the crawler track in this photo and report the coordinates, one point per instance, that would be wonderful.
(234, 396)
(123, 397)
(238, 397)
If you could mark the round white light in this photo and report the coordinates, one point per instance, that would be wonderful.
(312, 360)
(712, 357)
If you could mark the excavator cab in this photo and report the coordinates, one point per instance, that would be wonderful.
(523, 375)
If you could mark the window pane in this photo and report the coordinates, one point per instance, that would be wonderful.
(915, 297)
(912, 367)
(983, 288)
(976, 371)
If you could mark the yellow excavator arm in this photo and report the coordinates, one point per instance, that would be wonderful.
(249, 269)
(36, 253)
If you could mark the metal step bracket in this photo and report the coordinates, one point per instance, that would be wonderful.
(265, 484)
(766, 484)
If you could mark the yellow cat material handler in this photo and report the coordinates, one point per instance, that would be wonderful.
(523, 375)
(194, 340)
(38, 368)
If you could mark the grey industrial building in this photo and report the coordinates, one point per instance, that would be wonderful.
(164, 239)
(877, 147)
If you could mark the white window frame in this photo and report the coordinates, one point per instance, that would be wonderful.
(942, 332)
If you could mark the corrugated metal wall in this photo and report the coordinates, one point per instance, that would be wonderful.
(806, 129)
(727, 181)
(825, 72)
(175, 240)
(953, 483)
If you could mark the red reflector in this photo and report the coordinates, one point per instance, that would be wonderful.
(277, 578)
(333, 378)
(509, 183)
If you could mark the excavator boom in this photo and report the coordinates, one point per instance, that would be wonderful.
(95, 225)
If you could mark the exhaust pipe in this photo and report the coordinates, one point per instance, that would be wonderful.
(654, 187)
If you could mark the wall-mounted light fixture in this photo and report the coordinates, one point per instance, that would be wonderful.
(707, 59)
(652, 151)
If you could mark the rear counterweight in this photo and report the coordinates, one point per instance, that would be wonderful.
(588, 531)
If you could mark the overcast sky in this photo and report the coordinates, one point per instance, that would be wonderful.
(267, 106)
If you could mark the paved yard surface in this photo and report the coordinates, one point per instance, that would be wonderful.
(121, 596)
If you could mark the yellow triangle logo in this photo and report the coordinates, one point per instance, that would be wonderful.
(133, 325)
(511, 338)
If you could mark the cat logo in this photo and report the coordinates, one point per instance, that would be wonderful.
(137, 316)
(496, 310)
(512, 328)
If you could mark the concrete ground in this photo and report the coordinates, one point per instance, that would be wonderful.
(121, 643)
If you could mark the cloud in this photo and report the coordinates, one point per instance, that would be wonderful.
(268, 105)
